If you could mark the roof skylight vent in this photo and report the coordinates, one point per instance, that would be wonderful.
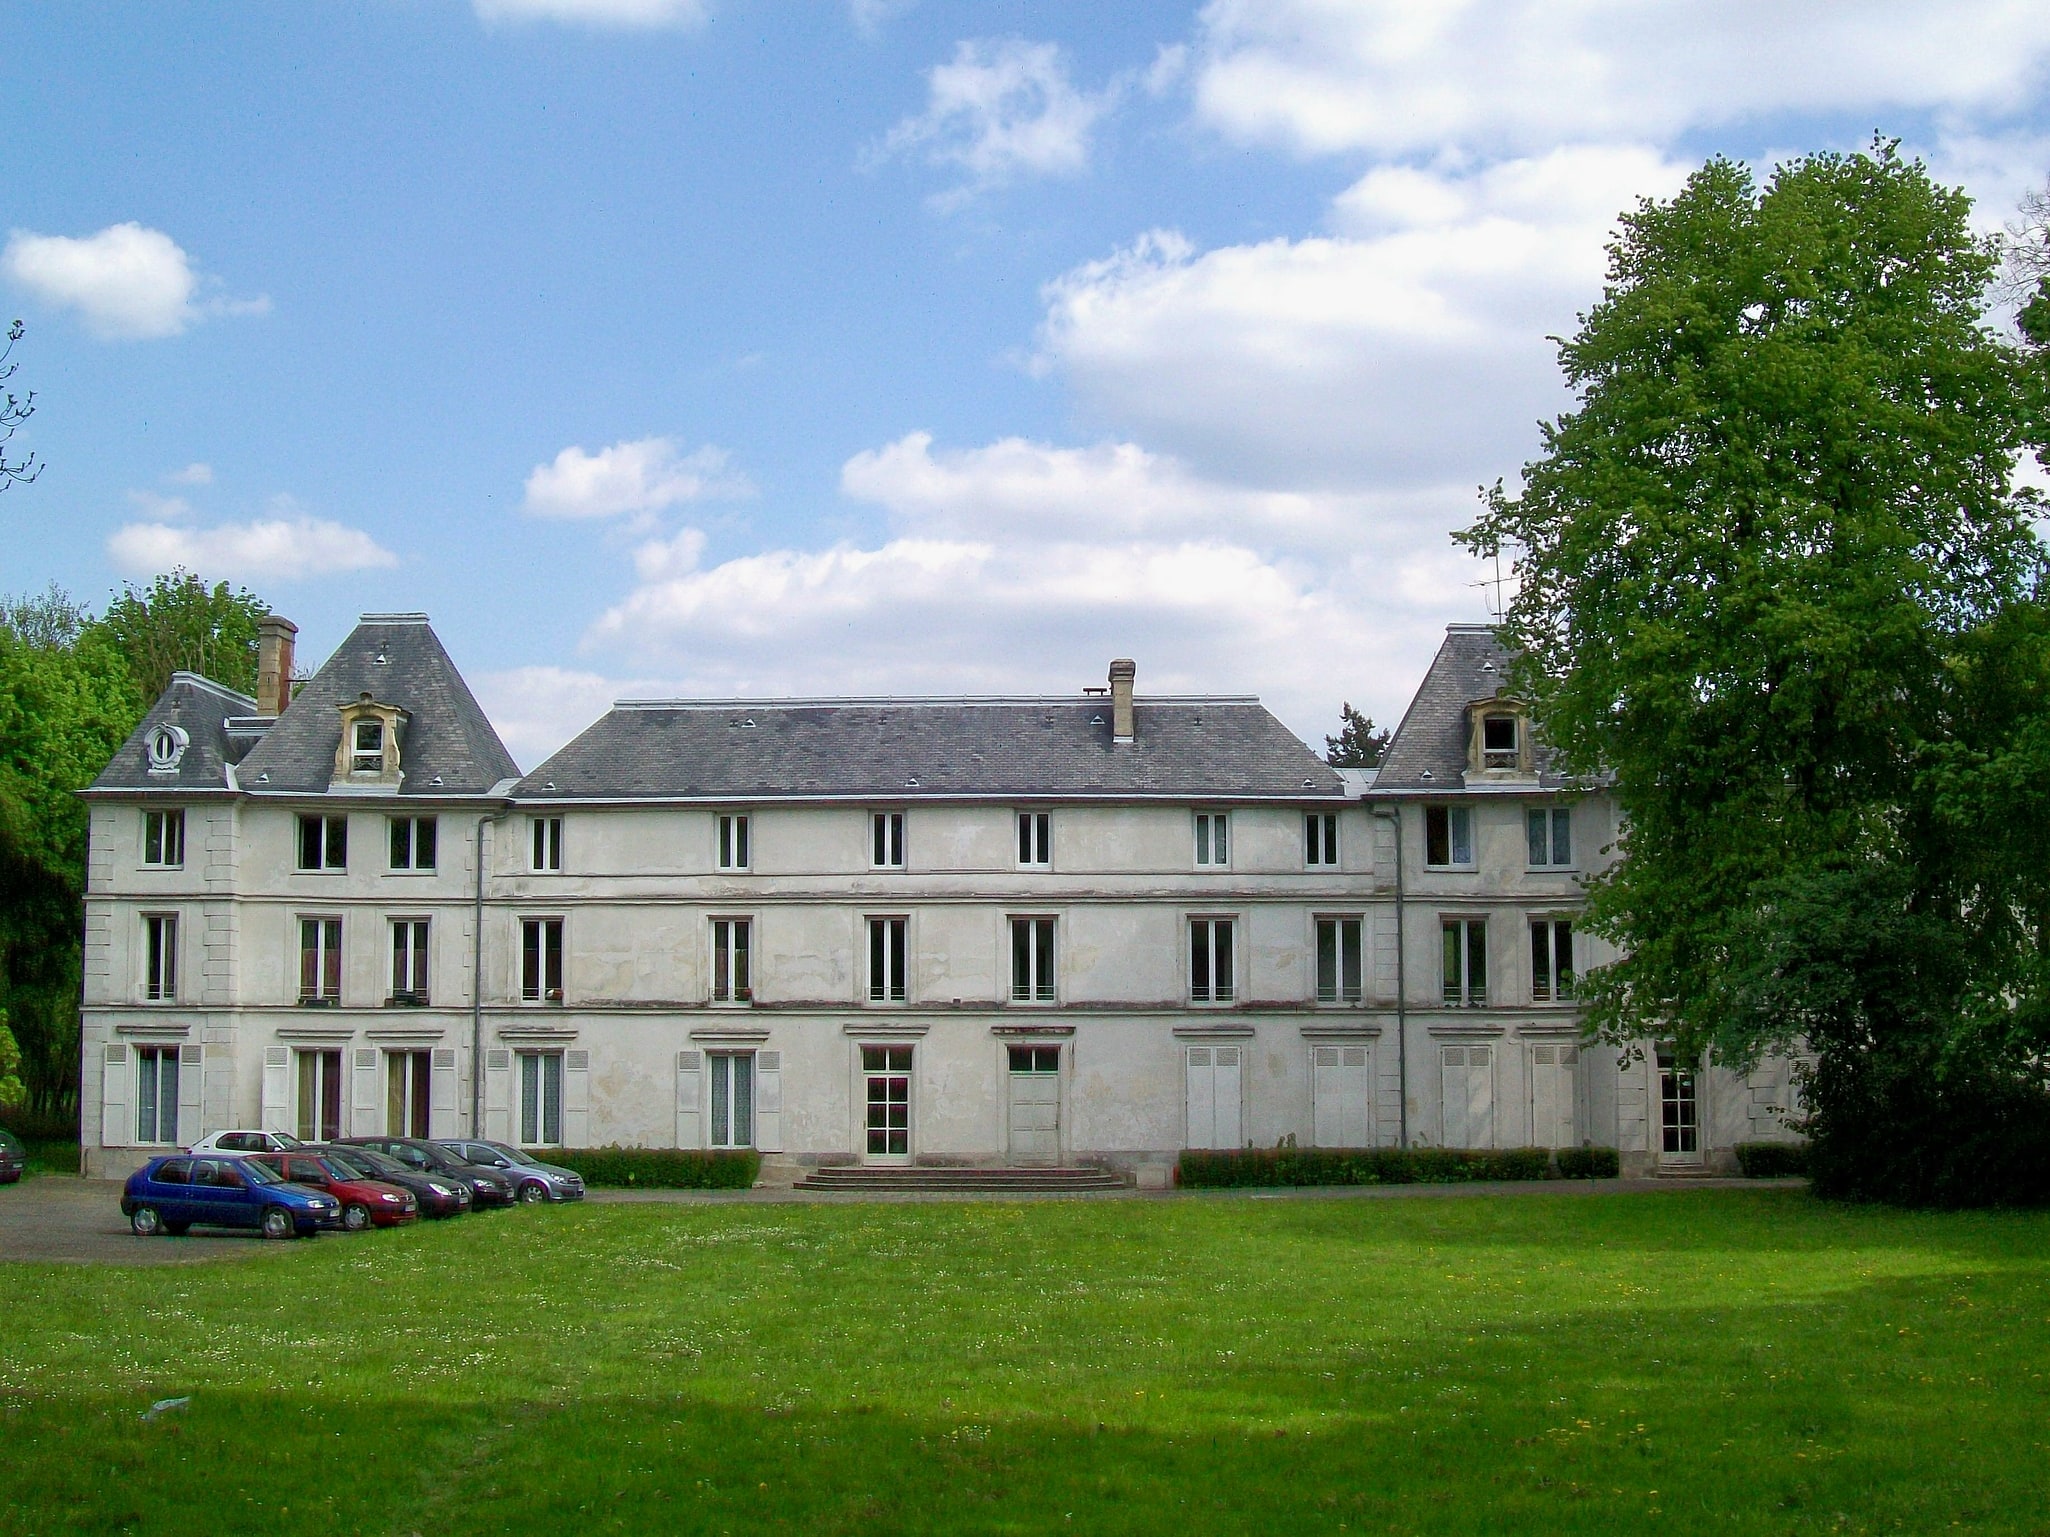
(435, 781)
(1426, 774)
(748, 724)
(1096, 720)
(264, 777)
(911, 783)
(380, 660)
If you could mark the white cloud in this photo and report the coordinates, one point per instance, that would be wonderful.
(1401, 77)
(871, 16)
(1002, 108)
(194, 474)
(152, 505)
(644, 476)
(658, 559)
(1406, 348)
(599, 13)
(1023, 566)
(537, 709)
(278, 548)
(127, 282)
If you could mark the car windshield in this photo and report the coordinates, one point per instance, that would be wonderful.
(361, 1160)
(258, 1173)
(285, 1139)
(7, 1141)
(513, 1154)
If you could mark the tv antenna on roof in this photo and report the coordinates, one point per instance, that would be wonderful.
(1491, 589)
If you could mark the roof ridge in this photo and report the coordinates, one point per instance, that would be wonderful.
(1019, 701)
(201, 680)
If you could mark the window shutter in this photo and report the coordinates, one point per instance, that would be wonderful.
(498, 1094)
(441, 1094)
(769, 1101)
(117, 1127)
(1202, 1099)
(1230, 1132)
(576, 1099)
(191, 1074)
(1480, 1096)
(1327, 1116)
(1452, 1095)
(690, 1098)
(277, 1088)
(363, 1094)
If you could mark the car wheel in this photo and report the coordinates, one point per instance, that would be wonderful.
(177, 1229)
(277, 1223)
(146, 1222)
(532, 1191)
(355, 1217)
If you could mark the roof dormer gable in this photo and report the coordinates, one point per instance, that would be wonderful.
(367, 756)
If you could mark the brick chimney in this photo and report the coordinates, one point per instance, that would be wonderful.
(1122, 672)
(274, 634)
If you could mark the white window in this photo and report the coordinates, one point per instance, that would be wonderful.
(1320, 838)
(541, 960)
(163, 839)
(540, 1098)
(1467, 1080)
(1551, 838)
(408, 1097)
(320, 960)
(160, 957)
(733, 1098)
(156, 1094)
(1341, 1099)
(366, 756)
(1035, 839)
(323, 843)
(1448, 837)
(1498, 741)
(409, 961)
(1552, 1097)
(1213, 840)
(547, 843)
(1215, 1096)
(1339, 943)
(888, 946)
(1679, 1110)
(1210, 960)
(1466, 962)
(887, 840)
(1551, 960)
(1032, 963)
(887, 1071)
(731, 982)
(412, 843)
(733, 853)
(320, 1094)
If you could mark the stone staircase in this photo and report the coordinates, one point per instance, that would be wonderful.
(869, 1179)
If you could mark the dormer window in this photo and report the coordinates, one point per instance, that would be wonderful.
(366, 755)
(1498, 742)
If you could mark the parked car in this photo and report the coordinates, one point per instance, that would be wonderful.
(532, 1179)
(13, 1159)
(438, 1195)
(488, 1187)
(171, 1194)
(245, 1142)
(365, 1202)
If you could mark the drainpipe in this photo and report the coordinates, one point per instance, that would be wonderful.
(1393, 816)
(477, 984)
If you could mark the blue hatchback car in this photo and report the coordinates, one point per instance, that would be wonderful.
(169, 1195)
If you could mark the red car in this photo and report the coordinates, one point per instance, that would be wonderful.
(365, 1202)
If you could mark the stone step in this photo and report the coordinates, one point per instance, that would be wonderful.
(914, 1177)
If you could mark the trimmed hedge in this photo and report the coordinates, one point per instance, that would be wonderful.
(1282, 1166)
(1772, 1160)
(1589, 1163)
(660, 1168)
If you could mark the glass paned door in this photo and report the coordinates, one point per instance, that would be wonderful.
(1679, 1112)
(320, 1096)
(733, 1099)
(406, 1099)
(887, 1070)
(541, 1098)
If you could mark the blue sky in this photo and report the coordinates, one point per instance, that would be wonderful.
(681, 347)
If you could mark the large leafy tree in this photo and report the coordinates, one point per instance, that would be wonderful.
(72, 689)
(1358, 744)
(1774, 577)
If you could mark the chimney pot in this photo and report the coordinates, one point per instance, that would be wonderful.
(274, 634)
(1122, 672)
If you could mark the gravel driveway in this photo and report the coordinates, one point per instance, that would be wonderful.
(71, 1220)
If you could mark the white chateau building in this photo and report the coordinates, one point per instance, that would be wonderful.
(1080, 929)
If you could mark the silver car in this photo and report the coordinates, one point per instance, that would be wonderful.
(532, 1179)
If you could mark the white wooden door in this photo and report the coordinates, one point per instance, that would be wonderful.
(1467, 1084)
(1215, 1087)
(1035, 1106)
(1341, 1101)
(1553, 1071)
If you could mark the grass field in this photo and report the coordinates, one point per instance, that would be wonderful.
(1735, 1361)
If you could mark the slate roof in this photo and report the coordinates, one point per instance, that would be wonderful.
(200, 708)
(397, 659)
(937, 749)
(1428, 752)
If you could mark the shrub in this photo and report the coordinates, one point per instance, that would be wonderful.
(1589, 1163)
(1772, 1160)
(661, 1168)
(1290, 1166)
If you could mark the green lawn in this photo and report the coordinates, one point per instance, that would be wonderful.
(1735, 1361)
